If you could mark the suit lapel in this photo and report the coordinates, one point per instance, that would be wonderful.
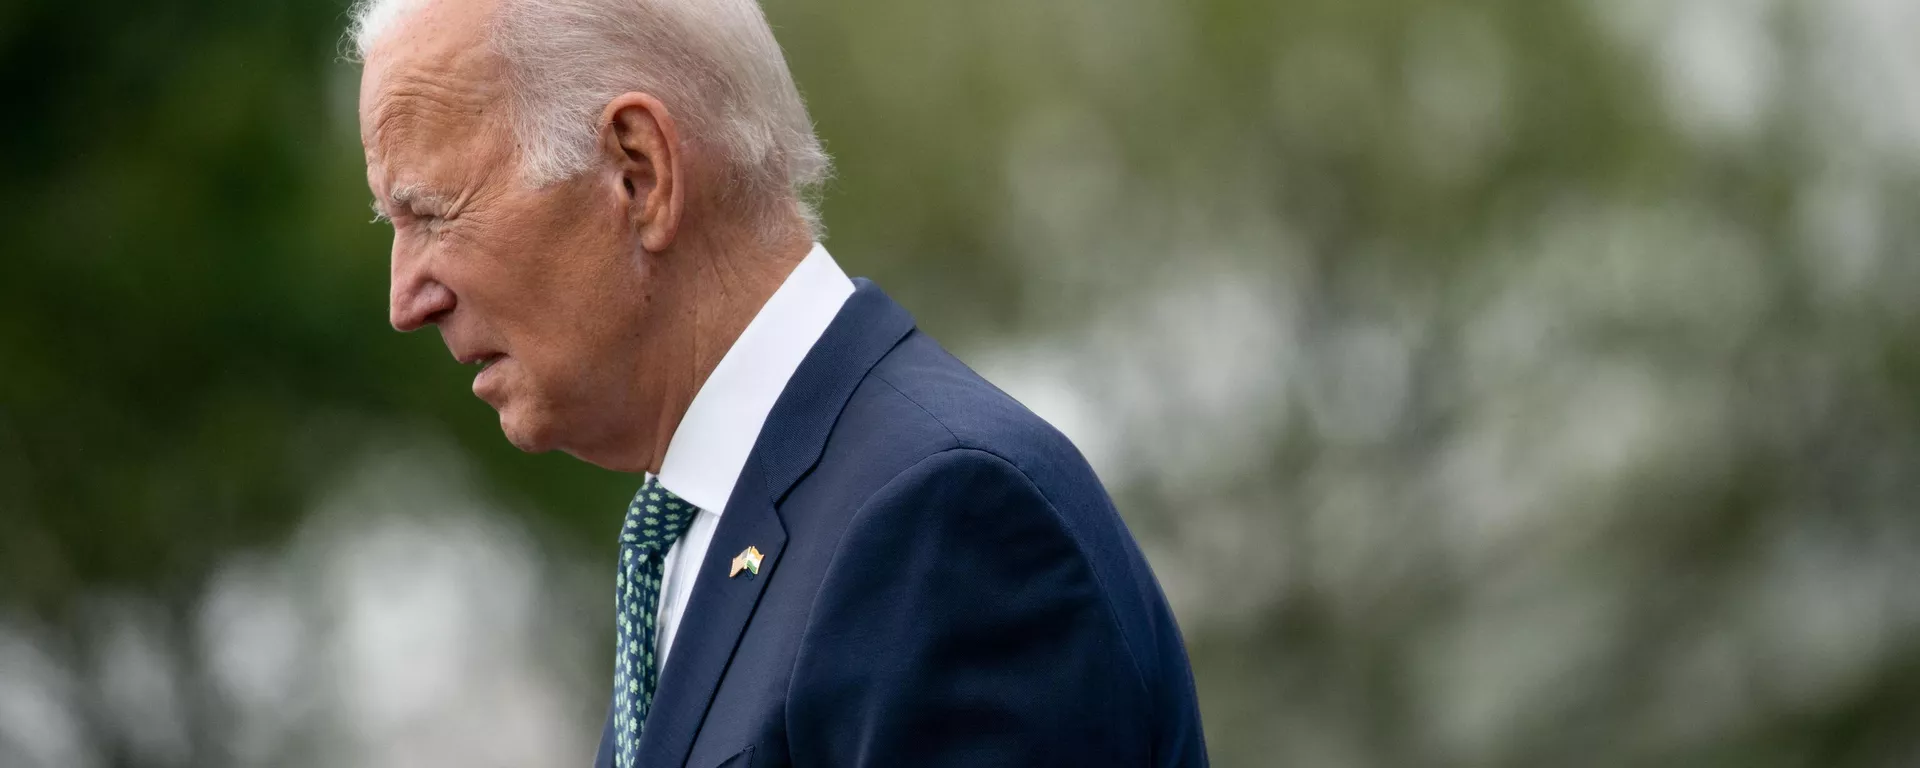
(790, 442)
(712, 624)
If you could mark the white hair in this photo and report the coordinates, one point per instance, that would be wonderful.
(715, 63)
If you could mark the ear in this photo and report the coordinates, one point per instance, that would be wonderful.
(638, 134)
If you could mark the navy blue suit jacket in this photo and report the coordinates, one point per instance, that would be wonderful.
(945, 583)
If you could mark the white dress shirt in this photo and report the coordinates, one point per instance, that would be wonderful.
(710, 446)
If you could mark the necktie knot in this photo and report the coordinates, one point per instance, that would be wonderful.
(655, 520)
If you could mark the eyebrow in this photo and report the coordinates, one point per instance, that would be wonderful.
(404, 196)
(408, 194)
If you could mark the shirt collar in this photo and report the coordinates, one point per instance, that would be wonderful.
(711, 445)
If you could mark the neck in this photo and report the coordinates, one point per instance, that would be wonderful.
(711, 293)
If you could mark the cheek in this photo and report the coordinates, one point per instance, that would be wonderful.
(559, 286)
(588, 276)
(561, 317)
(496, 276)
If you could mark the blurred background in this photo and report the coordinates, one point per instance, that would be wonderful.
(1491, 382)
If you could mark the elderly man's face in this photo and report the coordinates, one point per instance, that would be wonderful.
(543, 289)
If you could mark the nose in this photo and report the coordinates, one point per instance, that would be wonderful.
(416, 298)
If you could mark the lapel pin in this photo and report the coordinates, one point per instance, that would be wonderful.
(748, 560)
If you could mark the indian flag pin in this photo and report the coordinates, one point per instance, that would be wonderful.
(748, 560)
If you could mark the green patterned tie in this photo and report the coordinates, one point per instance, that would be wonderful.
(655, 519)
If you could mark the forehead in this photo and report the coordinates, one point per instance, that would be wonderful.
(430, 80)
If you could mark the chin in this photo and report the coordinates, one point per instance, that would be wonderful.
(527, 432)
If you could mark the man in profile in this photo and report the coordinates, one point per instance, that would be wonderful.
(847, 549)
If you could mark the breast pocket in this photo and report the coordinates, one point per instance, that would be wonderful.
(742, 760)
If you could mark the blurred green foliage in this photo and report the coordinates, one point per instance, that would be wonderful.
(195, 297)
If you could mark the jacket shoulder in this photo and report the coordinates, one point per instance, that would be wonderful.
(975, 414)
(920, 401)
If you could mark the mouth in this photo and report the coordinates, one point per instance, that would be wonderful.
(482, 361)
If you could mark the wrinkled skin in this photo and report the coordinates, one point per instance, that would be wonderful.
(596, 305)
